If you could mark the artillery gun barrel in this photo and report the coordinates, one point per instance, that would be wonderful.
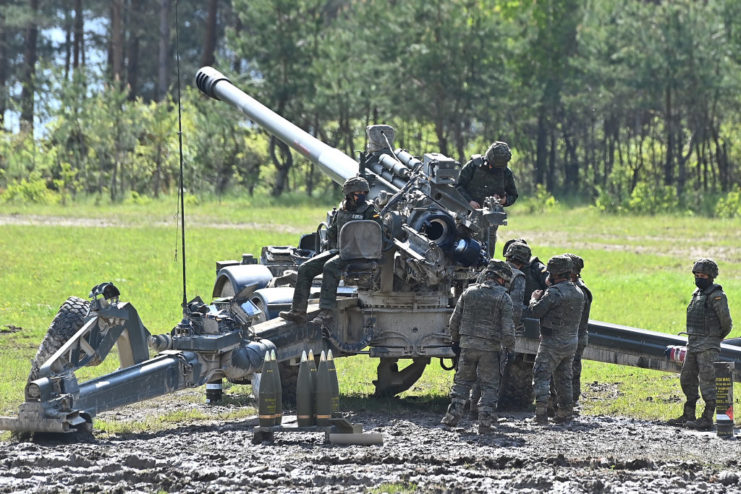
(336, 164)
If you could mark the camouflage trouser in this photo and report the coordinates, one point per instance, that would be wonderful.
(556, 361)
(491, 240)
(484, 365)
(698, 368)
(576, 371)
(331, 266)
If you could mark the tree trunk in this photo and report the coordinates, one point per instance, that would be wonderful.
(3, 71)
(209, 42)
(68, 28)
(135, 30)
(669, 163)
(78, 56)
(541, 145)
(117, 42)
(29, 69)
(283, 164)
(164, 47)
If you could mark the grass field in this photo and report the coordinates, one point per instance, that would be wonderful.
(637, 267)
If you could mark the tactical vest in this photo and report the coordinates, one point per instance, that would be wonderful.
(486, 182)
(701, 317)
(533, 278)
(562, 321)
(364, 212)
(480, 320)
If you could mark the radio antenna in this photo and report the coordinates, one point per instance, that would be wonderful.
(181, 189)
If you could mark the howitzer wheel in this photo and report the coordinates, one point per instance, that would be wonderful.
(392, 381)
(69, 319)
(517, 385)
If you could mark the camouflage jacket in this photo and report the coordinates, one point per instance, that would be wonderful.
(708, 319)
(366, 211)
(517, 294)
(477, 181)
(535, 274)
(482, 318)
(584, 324)
(559, 310)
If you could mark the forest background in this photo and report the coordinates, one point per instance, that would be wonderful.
(628, 105)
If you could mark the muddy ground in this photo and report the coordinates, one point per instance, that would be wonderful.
(594, 454)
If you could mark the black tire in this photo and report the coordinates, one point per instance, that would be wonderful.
(516, 392)
(70, 318)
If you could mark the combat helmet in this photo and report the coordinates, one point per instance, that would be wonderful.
(518, 252)
(706, 266)
(498, 154)
(499, 268)
(559, 266)
(355, 184)
(577, 264)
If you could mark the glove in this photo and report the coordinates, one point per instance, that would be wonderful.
(456, 348)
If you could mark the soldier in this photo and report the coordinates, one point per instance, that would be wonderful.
(519, 255)
(488, 176)
(577, 264)
(354, 207)
(515, 289)
(708, 322)
(559, 309)
(481, 325)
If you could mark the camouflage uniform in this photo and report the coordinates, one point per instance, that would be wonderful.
(328, 263)
(559, 310)
(578, 265)
(708, 322)
(583, 339)
(482, 324)
(485, 176)
(515, 290)
(535, 275)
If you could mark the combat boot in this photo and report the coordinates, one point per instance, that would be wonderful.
(687, 416)
(325, 318)
(486, 421)
(564, 416)
(705, 422)
(454, 413)
(299, 317)
(541, 413)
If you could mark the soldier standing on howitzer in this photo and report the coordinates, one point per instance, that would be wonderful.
(488, 176)
(577, 264)
(559, 309)
(481, 325)
(708, 322)
(354, 207)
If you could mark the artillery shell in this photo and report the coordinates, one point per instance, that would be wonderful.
(266, 402)
(278, 416)
(334, 385)
(323, 392)
(304, 393)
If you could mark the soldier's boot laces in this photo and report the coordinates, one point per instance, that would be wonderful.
(687, 416)
(541, 414)
(705, 422)
(325, 318)
(293, 315)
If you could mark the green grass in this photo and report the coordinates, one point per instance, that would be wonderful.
(637, 267)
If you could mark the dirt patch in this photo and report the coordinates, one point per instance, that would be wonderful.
(594, 454)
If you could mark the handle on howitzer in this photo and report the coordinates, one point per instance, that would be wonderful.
(333, 162)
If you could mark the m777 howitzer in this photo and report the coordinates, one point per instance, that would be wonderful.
(399, 291)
